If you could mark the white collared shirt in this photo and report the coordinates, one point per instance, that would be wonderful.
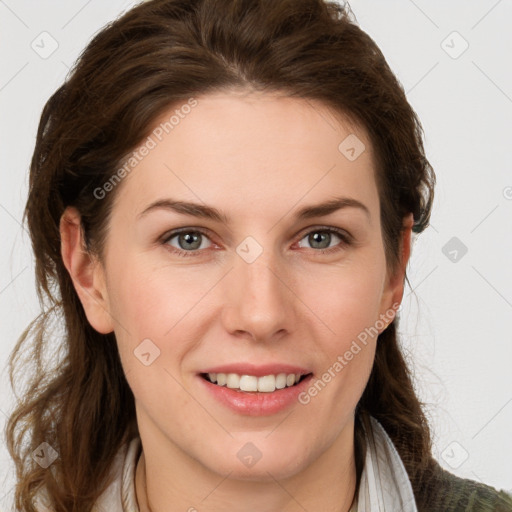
(385, 484)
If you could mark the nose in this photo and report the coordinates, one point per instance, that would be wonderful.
(259, 304)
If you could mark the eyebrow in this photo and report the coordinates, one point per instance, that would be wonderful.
(208, 212)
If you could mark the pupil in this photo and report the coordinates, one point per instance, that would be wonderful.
(317, 238)
(190, 239)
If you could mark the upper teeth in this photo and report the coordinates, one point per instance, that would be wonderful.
(265, 384)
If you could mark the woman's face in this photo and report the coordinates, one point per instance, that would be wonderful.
(248, 287)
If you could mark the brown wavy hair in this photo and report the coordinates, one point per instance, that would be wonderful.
(156, 55)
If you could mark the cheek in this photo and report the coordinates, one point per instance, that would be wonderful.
(151, 299)
(149, 306)
(346, 299)
(157, 310)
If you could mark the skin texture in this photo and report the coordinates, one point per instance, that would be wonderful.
(259, 158)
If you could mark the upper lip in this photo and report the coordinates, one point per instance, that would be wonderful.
(257, 370)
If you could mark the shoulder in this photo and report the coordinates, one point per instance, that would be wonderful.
(445, 491)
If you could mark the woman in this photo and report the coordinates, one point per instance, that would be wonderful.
(222, 198)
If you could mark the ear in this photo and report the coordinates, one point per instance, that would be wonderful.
(86, 272)
(394, 287)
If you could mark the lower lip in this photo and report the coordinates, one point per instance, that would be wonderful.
(256, 403)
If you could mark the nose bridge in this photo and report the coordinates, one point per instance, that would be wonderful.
(259, 302)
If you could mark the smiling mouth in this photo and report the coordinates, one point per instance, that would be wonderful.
(253, 384)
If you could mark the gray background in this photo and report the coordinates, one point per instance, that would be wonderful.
(456, 321)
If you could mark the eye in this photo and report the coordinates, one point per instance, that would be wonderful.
(187, 241)
(321, 238)
(190, 242)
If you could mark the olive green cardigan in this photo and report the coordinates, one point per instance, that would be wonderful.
(445, 492)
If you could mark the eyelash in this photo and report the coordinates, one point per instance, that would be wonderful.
(346, 240)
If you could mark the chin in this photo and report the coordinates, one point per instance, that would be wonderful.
(262, 470)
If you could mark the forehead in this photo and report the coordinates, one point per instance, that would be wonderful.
(266, 148)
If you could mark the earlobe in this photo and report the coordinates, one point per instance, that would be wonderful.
(85, 271)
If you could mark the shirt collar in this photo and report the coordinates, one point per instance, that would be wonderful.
(384, 484)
